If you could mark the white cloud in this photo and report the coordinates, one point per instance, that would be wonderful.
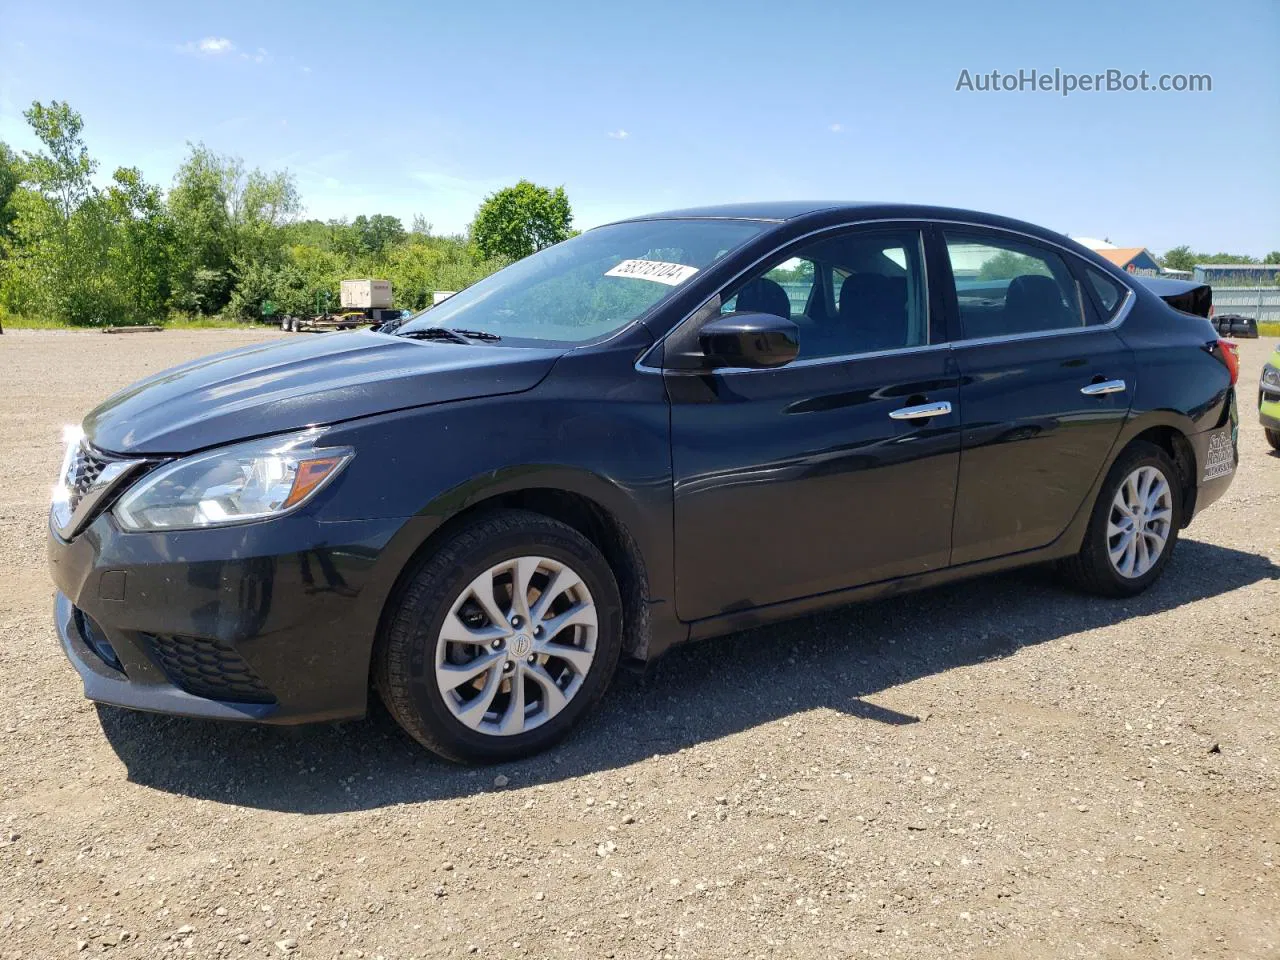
(836, 128)
(223, 47)
(618, 134)
(209, 46)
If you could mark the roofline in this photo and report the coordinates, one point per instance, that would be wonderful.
(678, 216)
(1237, 266)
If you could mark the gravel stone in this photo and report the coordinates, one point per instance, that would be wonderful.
(1039, 701)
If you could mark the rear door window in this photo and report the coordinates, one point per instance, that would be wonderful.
(1007, 287)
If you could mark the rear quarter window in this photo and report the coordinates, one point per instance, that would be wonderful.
(1110, 293)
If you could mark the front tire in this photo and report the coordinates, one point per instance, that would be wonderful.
(1273, 438)
(1134, 526)
(501, 639)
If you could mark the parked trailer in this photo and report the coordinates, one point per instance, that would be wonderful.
(362, 302)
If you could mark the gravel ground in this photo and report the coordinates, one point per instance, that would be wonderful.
(1002, 768)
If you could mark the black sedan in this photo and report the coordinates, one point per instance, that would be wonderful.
(666, 428)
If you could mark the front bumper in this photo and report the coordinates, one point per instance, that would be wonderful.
(271, 622)
(1269, 406)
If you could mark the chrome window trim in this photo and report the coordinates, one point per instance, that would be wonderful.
(1113, 323)
(819, 361)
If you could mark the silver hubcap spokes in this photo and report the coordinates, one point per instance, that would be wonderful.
(1140, 522)
(516, 646)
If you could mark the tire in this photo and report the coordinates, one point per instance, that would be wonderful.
(284, 324)
(1273, 438)
(414, 661)
(1092, 569)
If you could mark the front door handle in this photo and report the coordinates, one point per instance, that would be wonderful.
(922, 411)
(1103, 388)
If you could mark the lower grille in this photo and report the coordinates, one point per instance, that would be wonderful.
(208, 668)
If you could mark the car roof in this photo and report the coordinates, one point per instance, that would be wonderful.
(782, 211)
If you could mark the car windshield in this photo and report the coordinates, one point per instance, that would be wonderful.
(591, 285)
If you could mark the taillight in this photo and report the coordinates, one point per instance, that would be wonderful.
(1229, 354)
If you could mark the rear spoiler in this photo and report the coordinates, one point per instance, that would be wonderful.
(1185, 295)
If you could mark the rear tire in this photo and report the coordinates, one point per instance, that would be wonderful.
(1134, 526)
(458, 615)
(1273, 438)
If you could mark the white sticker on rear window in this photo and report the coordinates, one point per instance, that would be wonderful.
(669, 273)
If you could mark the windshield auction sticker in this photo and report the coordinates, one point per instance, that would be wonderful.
(669, 273)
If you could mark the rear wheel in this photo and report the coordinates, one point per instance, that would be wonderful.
(501, 639)
(1134, 525)
(1273, 438)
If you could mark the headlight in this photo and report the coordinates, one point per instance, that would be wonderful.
(248, 481)
(1271, 376)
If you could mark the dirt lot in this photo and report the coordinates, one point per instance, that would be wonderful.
(1000, 769)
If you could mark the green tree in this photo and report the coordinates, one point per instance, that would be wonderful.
(1225, 258)
(374, 235)
(63, 170)
(1179, 258)
(10, 181)
(424, 264)
(62, 228)
(224, 239)
(517, 221)
(1272, 257)
(1184, 258)
(202, 232)
(141, 244)
(229, 232)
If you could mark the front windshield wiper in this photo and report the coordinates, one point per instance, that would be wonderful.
(484, 335)
(445, 333)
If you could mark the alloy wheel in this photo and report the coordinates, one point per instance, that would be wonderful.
(1140, 522)
(516, 646)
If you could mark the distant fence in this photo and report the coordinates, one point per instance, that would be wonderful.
(1261, 303)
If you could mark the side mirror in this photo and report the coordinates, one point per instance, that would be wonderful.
(759, 340)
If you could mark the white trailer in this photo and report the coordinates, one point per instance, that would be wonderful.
(365, 294)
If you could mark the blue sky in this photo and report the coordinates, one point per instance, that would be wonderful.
(426, 107)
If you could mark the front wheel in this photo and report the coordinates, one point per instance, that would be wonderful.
(1273, 438)
(1134, 525)
(501, 639)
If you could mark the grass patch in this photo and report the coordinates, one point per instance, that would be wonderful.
(11, 322)
(190, 322)
(175, 322)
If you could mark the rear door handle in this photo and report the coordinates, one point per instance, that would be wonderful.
(1103, 388)
(923, 411)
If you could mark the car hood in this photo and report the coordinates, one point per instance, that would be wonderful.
(301, 382)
